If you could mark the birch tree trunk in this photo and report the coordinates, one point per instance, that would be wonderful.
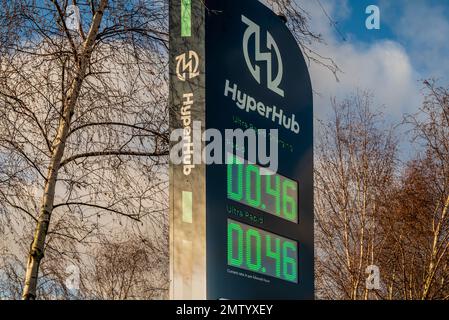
(38, 245)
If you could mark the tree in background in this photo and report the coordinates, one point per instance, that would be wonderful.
(354, 170)
(120, 271)
(417, 255)
(373, 211)
(83, 125)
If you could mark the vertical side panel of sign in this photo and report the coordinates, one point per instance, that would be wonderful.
(187, 178)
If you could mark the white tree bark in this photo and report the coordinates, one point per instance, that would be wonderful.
(38, 245)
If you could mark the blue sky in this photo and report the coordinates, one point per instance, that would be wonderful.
(399, 21)
(391, 62)
(411, 46)
(353, 25)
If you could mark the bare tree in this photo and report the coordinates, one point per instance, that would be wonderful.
(132, 269)
(83, 118)
(355, 161)
(414, 260)
(419, 221)
(371, 211)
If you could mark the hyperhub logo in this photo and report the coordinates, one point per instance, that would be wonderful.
(245, 101)
(187, 66)
(259, 56)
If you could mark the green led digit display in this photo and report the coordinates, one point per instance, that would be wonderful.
(274, 194)
(263, 252)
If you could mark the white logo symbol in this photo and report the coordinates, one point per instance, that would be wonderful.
(72, 20)
(187, 68)
(272, 84)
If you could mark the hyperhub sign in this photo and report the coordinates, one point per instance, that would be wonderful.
(238, 230)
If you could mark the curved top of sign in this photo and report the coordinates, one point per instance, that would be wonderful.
(267, 63)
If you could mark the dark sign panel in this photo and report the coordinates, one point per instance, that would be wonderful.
(258, 238)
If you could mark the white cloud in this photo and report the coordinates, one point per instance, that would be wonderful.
(382, 67)
(424, 27)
